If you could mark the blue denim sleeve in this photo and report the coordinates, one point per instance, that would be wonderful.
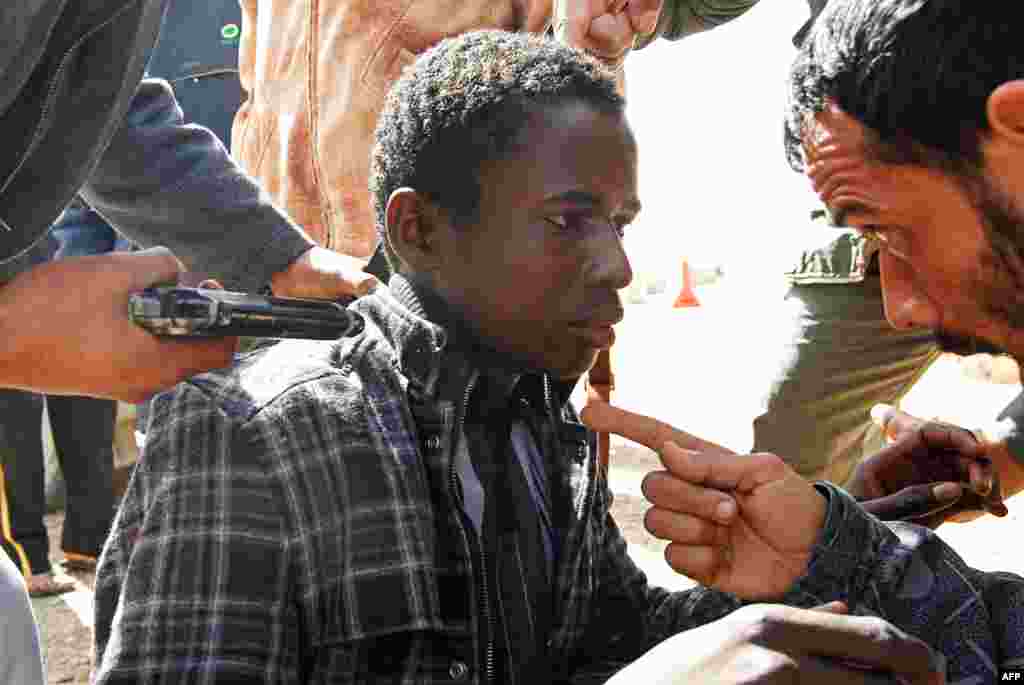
(164, 183)
(908, 576)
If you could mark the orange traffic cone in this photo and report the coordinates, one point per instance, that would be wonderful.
(686, 298)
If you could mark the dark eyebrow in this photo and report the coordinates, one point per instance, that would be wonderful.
(583, 198)
(576, 197)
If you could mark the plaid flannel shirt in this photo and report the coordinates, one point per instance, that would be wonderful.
(293, 521)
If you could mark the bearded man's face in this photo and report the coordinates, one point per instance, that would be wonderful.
(951, 247)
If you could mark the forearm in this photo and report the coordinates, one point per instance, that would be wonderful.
(681, 18)
(163, 183)
(907, 575)
(852, 549)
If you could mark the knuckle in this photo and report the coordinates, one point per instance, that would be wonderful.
(882, 632)
(672, 559)
(652, 519)
(761, 664)
(756, 622)
(648, 483)
(771, 461)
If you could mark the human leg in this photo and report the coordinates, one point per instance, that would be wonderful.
(23, 492)
(843, 359)
(21, 465)
(83, 433)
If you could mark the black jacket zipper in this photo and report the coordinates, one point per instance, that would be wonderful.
(556, 417)
(484, 592)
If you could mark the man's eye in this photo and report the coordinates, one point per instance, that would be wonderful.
(569, 222)
(893, 240)
(872, 233)
(576, 223)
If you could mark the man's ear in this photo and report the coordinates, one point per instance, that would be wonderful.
(411, 230)
(1005, 110)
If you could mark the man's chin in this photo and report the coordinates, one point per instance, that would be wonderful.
(571, 370)
(966, 345)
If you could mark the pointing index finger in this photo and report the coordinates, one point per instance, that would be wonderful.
(605, 418)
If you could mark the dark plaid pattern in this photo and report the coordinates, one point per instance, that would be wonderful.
(292, 521)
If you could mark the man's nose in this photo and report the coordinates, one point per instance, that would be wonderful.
(906, 306)
(610, 262)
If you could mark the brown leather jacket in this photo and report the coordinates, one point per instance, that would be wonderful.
(316, 73)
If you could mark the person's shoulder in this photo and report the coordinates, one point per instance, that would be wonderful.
(238, 413)
(264, 377)
(290, 408)
(331, 391)
(276, 373)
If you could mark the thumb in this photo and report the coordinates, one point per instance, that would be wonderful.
(156, 265)
(643, 15)
(914, 502)
(893, 422)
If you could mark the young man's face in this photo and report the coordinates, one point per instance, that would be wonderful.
(539, 275)
(940, 266)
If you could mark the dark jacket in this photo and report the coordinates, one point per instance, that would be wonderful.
(69, 121)
(197, 53)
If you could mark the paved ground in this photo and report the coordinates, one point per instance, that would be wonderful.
(703, 370)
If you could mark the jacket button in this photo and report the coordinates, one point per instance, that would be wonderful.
(458, 670)
(433, 443)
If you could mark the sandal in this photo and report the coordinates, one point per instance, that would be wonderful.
(50, 583)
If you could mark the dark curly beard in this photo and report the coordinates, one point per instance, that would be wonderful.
(997, 283)
(965, 345)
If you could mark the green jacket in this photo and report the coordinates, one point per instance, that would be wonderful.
(681, 18)
(843, 259)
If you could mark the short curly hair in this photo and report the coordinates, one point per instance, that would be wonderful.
(462, 103)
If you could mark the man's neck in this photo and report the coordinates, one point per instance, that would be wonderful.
(424, 301)
(462, 335)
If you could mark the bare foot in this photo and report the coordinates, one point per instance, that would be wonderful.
(53, 583)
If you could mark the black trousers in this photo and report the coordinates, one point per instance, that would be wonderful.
(83, 432)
